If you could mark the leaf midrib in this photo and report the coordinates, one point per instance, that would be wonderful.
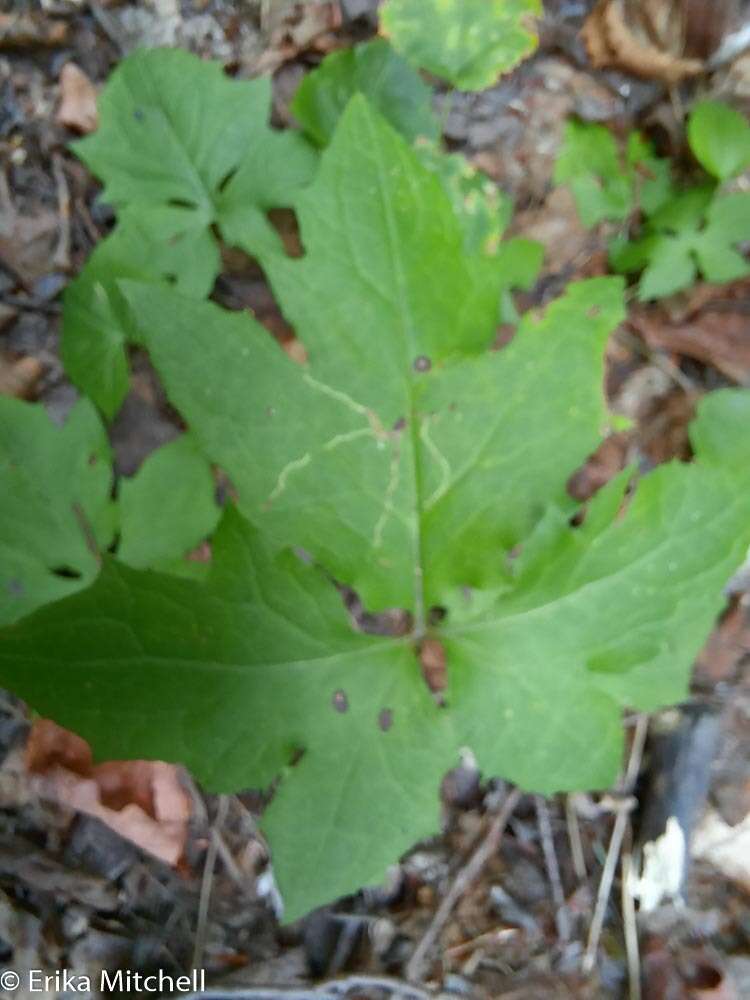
(407, 332)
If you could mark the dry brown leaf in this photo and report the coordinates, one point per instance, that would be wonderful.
(557, 225)
(143, 801)
(299, 27)
(27, 243)
(18, 378)
(49, 745)
(650, 47)
(77, 100)
(727, 647)
(20, 31)
(725, 847)
(717, 337)
(609, 458)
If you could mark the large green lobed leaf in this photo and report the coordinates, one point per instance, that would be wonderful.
(414, 463)
(181, 149)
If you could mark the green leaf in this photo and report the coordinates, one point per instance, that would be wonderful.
(671, 268)
(589, 162)
(181, 147)
(363, 416)
(387, 81)
(168, 245)
(728, 223)
(467, 42)
(232, 678)
(720, 139)
(415, 464)
(695, 229)
(176, 131)
(685, 212)
(55, 508)
(168, 507)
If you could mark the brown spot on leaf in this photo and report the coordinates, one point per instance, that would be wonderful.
(400, 424)
(432, 662)
(385, 719)
(339, 701)
(422, 364)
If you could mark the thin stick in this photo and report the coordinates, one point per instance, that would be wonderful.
(605, 887)
(61, 256)
(562, 917)
(574, 838)
(488, 938)
(636, 754)
(463, 880)
(615, 844)
(207, 884)
(631, 928)
(333, 989)
(398, 989)
(108, 25)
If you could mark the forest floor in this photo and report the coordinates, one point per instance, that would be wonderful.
(135, 867)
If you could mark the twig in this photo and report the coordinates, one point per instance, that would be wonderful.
(61, 256)
(395, 987)
(108, 25)
(732, 47)
(463, 880)
(495, 937)
(636, 754)
(240, 880)
(207, 884)
(562, 917)
(624, 806)
(605, 886)
(574, 838)
(629, 922)
(333, 989)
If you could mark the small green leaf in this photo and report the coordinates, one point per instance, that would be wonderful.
(720, 139)
(181, 147)
(167, 507)
(170, 245)
(589, 162)
(387, 81)
(694, 229)
(671, 268)
(720, 433)
(683, 213)
(467, 42)
(55, 508)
